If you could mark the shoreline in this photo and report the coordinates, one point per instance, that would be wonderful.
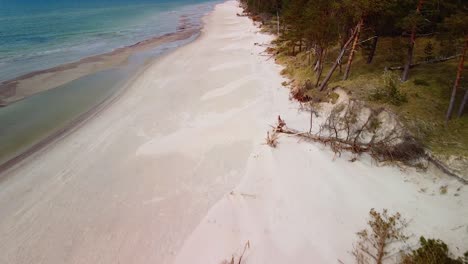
(19, 88)
(81, 120)
(67, 130)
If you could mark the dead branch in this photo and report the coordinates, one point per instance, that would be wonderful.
(247, 245)
(425, 62)
(445, 169)
(371, 38)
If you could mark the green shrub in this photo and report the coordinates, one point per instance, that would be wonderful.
(334, 97)
(429, 51)
(432, 251)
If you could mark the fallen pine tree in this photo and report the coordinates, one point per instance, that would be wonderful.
(352, 127)
(425, 62)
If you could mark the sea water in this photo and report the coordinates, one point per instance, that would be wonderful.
(40, 34)
(36, 35)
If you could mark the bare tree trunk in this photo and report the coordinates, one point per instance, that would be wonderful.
(317, 62)
(463, 104)
(277, 22)
(311, 119)
(409, 61)
(353, 49)
(343, 42)
(320, 68)
(457, 82)
(316, 65)
(409, 56)
(381, 249)
(370, 58)
(338, 61)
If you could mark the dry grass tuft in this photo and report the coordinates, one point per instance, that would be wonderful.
(239, 261)
(443, 189)
(272, 140)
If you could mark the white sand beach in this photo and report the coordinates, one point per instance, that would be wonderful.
(176, 171)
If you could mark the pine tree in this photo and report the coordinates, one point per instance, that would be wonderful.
(457, 25)
(429, 51)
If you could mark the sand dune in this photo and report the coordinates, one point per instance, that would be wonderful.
(176, 171)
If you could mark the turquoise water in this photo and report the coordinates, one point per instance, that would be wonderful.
(36, 35)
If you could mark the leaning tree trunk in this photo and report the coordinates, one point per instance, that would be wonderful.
(370, 58)
(409, 56)
(318, 55)
(457, 81)
(463, 104)
(353, 50)
(314, 63)
(320, 68)
(343, 42)
(338, 61)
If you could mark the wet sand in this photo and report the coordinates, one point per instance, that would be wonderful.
(35, 131)
(39, 81)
